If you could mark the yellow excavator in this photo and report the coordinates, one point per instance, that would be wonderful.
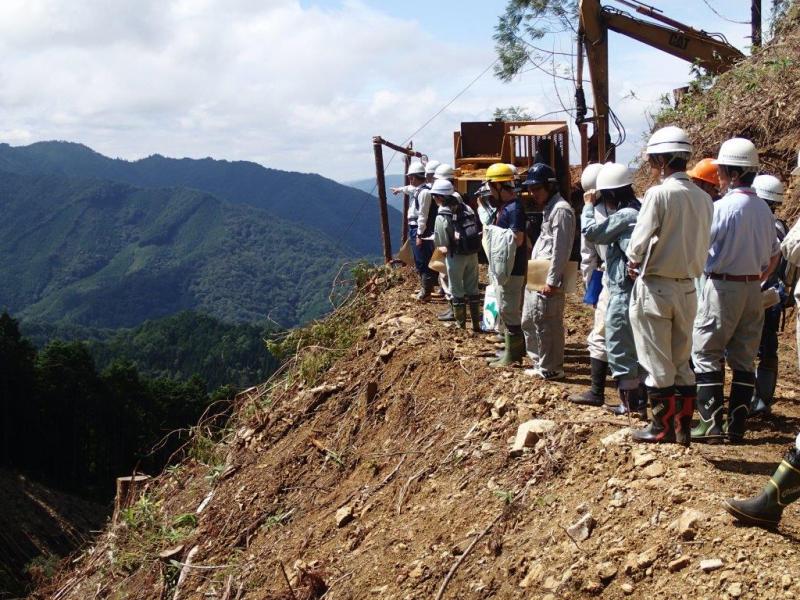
(707, 50)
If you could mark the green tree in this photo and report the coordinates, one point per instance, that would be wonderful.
(523, 23)
(17, 357)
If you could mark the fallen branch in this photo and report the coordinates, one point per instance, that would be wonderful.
(286, 579)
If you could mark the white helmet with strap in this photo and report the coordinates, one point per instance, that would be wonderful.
(769, 188)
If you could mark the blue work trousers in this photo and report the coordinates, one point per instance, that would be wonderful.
(422, 254)
(620, 346)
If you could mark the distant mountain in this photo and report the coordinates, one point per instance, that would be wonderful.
(349, 217)
(370, 186)
(109, 254)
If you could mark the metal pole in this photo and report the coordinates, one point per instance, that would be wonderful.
(387, 243)
(755, 23)
(406, 198)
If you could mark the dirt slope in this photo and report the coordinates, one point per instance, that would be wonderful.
(401, 433)
(37, 527)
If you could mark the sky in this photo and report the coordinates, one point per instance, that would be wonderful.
(294, 85)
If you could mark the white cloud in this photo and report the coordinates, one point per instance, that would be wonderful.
(290, 86)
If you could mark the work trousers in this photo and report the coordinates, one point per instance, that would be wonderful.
(543, 326)
(596, 340)
(509, 301)
(620, 345)
(462, 274)
(768, 348)
(728, 325)
(422, 255)
(662, 312)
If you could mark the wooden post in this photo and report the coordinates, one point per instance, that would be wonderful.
(755, 23)
(387, 242)
(406, 198)
(128, 490)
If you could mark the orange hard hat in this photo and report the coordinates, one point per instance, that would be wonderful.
(705, 170)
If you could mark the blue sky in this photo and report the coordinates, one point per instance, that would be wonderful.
(297, 85)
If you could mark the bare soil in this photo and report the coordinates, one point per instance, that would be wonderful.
(393, 477)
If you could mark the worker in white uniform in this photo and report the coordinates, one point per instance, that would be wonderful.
(783, 487)
(593, 258)
(668, 248)
(744, 251)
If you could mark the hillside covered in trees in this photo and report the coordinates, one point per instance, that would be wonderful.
(308, 200)
(109, 254)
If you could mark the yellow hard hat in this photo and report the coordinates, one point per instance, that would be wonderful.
(499, 172)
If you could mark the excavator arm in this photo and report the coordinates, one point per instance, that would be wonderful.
(675, 38)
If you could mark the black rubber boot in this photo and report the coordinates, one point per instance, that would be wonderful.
(783, 488)
(448, 314)
(630, 401)
(460, 312)
(662, 426)
(710, 405)
(764, 395)
(514, 350)
(739, 405)
(476, 314)
(685, 399)
(595, 395)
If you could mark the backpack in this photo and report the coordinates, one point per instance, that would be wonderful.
(466, 231)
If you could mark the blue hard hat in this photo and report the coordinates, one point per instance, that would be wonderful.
(540, 174)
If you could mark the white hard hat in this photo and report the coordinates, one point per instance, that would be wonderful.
(613, 176)
(738, 152)
(589, 176)
(430, 167)
(768, 187)
(796, 170)
(442, 187)
(416, 168)
(443, 171)
(668, 140)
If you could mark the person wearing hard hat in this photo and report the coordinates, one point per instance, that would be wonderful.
(543, 311)
(430, 170)
(770, 189)
(510, 216)
(667, 250)
(445, 171)
(457, 236)
(421, 216)
(615, 190)
(783, 488)
(704, 175)
(593, 261)
(743, 253)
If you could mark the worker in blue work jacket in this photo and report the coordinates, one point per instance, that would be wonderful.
(615, 189)
(743, 253)
(770, 189)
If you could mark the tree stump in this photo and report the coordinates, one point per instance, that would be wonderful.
(128, 490)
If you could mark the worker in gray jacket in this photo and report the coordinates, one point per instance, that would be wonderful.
(668, 248)
(593, 258)
(744, 251)
(615, 190)
(543, 310)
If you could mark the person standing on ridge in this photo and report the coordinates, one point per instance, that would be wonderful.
(615, 190)
(445, 171)
(593, 261)
(770, 189)
(457, 236)
(744, 251)
(510, 216)
(543, 312)
(421, 216)
(783, 488)
(668, 248)
(704, 175)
